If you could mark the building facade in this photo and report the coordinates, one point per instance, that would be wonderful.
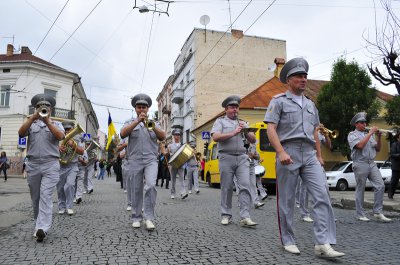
(213, 65)
(164, 107)
(24, 75)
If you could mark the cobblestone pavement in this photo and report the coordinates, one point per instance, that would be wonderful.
(187, 232)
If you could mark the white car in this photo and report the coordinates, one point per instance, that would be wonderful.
(341, 176)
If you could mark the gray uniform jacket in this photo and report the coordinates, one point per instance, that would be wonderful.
(233, 145)
(293, 122)
(368, 153)
(42, 144)
(142, 143)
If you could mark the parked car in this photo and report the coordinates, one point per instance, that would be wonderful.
(341, 176)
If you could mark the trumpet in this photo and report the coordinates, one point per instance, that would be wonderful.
(387, 132)
(149, 124)
(332, 133)
(44, 111)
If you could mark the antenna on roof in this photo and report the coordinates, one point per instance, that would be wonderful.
(204, 20)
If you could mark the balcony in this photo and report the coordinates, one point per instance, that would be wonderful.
(58, 113)
(166, 110)
(177, 122)
(177, 96)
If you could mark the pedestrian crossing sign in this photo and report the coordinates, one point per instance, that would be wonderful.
(205, 135)
(86, 136)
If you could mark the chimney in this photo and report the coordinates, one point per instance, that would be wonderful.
(10, 50)
(279, 62)
(237, 33)
(26, 50)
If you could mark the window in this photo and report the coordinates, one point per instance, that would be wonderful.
(187, 136)
(265, 144)
(188, 77)
(5, 95)
(50, 92)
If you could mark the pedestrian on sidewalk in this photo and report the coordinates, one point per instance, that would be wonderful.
(142, 163)
(4, 164)
(395, 164)
(43, 166)
(292, 130)
(363, 152)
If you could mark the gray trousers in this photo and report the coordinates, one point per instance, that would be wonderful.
(192, 175)
(138, 172)
(88, 179)
(302, 198)
(127, 183)
(260, 188)
(42, 178)
(307, 167)
(362, 172)
(229, 166)
(253, 185)
(79, 183)
(66, 187)
(177, 173)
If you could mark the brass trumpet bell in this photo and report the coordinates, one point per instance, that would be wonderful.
(149, 124)
(332, 133)
(44, 111)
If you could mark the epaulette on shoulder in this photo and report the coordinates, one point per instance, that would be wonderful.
(308, 97)
(279, 95)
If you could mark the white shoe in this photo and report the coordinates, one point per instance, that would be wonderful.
(136, 224)
(129, 208)
(190, 192)
(326, 251)
(125, 191)
(247, 222)
(259, 204)
(70, 211)
(307, 219)
(363, 218)
(61, 211)
(74, 201)
(184, 196)
(382, 218)
(225, 221)
(172, 197)
(292, 249)
(149, 225)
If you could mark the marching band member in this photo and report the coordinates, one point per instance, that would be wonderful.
(82, 163)
(68, 171)
(363, 151)
(176, 173)
(89, 169)
(254, 157)
(121, 148)
(42, 166)
(292, 121)
(233, 160)
(141, 153)
(192, 171)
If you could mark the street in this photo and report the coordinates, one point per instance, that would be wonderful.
(187, 232)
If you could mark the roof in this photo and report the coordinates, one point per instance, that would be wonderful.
(261, 96)
(25, 57)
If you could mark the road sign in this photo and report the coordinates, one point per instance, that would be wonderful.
(86, 136)
(22, 142)
(205, 135)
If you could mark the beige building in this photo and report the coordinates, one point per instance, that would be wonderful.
(213, 65)
(24, 75)
(164, 107)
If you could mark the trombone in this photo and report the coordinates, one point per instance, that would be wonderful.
(332, 133)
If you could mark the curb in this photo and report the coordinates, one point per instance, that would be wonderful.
(350, 205)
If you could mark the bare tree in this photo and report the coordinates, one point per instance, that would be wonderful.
(385, 48)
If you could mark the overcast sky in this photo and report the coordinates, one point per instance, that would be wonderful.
(119, 52)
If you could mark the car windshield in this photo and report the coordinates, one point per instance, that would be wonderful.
(339, 166)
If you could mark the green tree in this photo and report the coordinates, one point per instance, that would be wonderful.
(392, 116)
(350, 91)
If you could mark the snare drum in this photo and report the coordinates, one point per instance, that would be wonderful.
(260, 171)
(181, 156)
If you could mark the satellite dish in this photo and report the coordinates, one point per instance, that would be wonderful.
(271, 67)
(204, 20)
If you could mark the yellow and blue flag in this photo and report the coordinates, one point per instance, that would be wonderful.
(111, 130)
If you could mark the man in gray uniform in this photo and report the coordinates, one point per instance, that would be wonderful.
(68, 170)
(82, 163)
(42, 166)
(254, 157)
(363, 151)
(89, 171)
(228, 132)
(292, 121)
(176, 173)
(192, 174)
(121, 148)
(141, 153)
